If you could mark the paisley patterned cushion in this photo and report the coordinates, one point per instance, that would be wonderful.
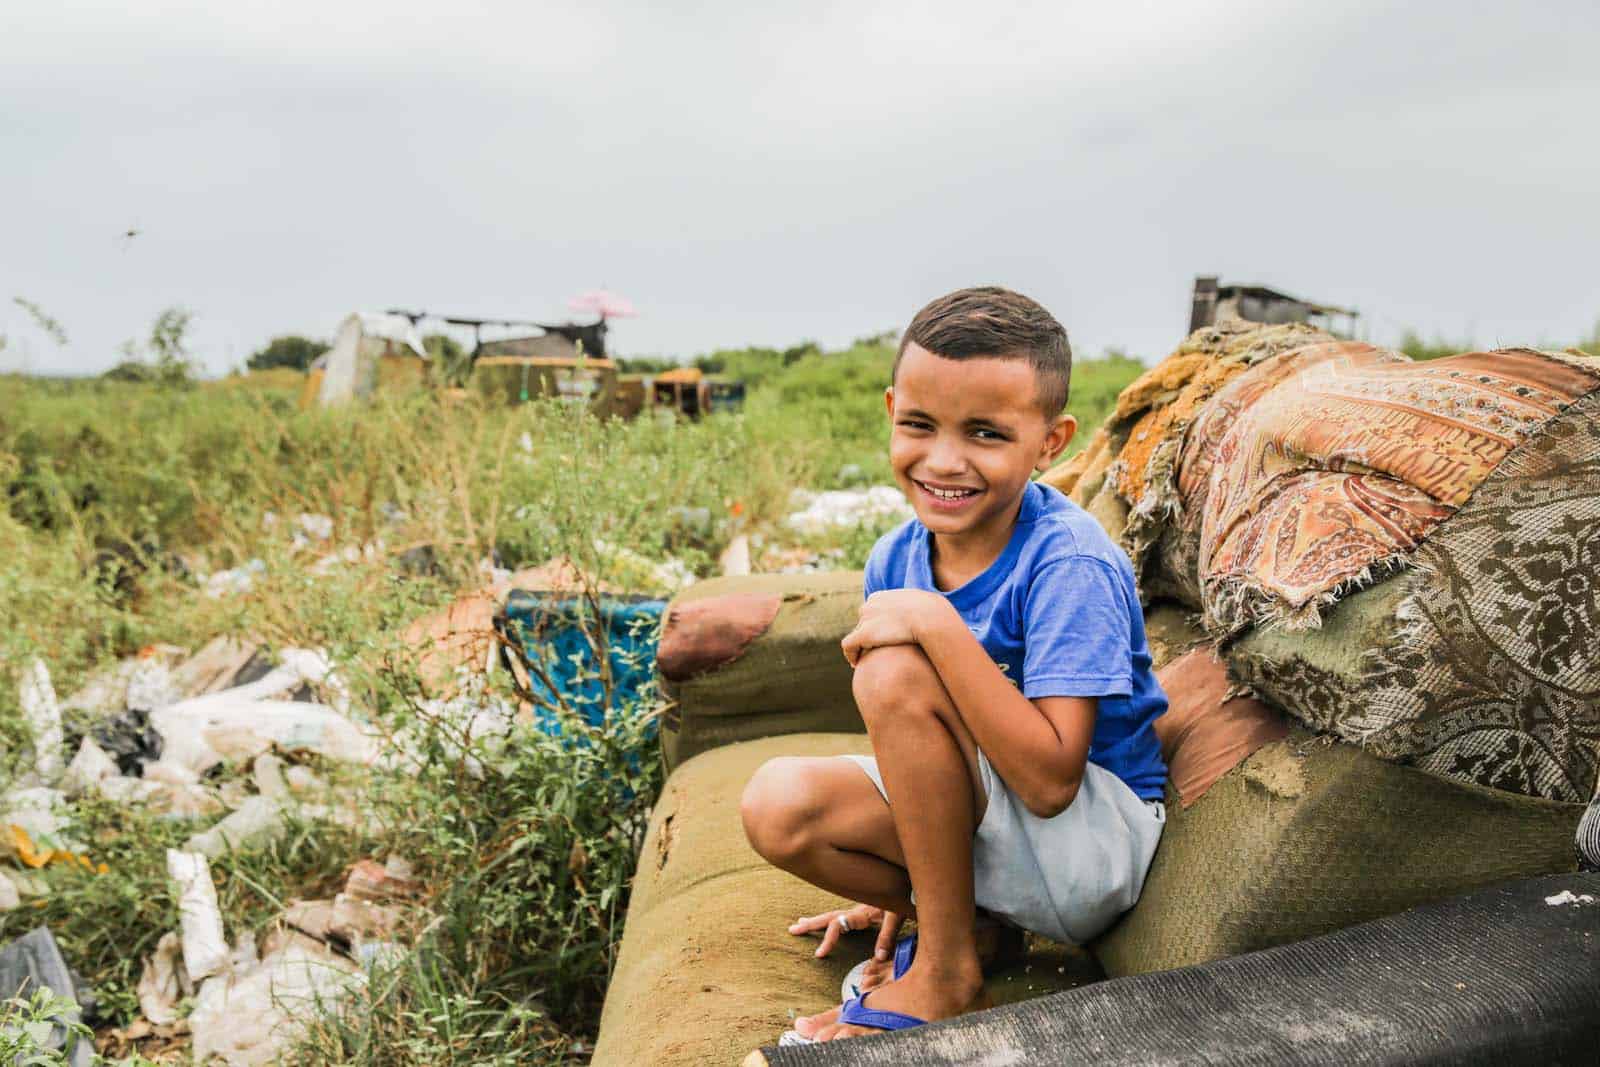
(1481, 662)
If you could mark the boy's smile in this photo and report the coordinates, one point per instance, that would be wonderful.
(967, 436)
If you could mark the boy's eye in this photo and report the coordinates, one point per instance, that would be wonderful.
(984, 434)
(913, 424)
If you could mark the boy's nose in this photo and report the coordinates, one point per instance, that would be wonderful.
(946, 457)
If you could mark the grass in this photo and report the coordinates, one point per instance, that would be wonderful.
(121, 496)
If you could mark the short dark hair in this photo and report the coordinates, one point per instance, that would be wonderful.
(990, 322)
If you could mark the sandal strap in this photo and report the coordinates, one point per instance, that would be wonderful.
(856, 1013)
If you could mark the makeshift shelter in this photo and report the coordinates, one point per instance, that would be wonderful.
(371, 349)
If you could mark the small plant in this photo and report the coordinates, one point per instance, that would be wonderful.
(27, 1024)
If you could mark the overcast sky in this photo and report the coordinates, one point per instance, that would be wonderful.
(761, 173)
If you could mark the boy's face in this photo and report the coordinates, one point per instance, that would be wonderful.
(967, 435)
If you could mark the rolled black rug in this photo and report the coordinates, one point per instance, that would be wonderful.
(1507, 975)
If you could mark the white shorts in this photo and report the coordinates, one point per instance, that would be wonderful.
(1068, 877)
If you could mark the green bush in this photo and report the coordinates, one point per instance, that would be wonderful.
(287, 350)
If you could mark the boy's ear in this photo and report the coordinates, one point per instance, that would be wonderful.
(1056, 440)
(888, 400)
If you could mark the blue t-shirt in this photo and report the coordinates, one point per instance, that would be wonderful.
(1059, 613)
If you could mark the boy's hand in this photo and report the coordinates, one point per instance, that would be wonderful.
(834, 925)
(893, 617)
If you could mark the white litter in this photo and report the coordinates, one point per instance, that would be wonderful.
(9, 896)
(205, 948)
(88, 769)
(233, 581)
(43, 717)
(250, 1016)
(268, 776)
(172, 801)
(151, 684)
(145, 681)
(818, 513)
(242, 722)
(735, 559)
(164, 981)
(1567, 896)
(257, 819)
(316, 527)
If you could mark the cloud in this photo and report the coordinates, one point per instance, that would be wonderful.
(751, 174)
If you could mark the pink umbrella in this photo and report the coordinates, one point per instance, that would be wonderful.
(603, 302)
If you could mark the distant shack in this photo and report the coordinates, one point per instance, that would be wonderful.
(1215, 302)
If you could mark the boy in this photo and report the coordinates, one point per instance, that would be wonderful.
(1002, 671)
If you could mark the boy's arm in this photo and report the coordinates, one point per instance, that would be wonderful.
(1038, 746)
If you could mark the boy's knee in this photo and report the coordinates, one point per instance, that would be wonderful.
(893, 678)
(778, 809)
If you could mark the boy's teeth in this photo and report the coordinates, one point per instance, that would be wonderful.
(949, 494)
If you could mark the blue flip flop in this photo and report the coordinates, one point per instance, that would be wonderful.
(905, 950)
(856, 1013)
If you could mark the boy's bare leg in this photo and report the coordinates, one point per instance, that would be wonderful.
(823, 820)
(926, 756)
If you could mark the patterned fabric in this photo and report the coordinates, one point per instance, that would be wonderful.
(1319, 471)
(1490, 670)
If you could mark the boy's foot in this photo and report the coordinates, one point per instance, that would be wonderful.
(919, 994)
(998, 945)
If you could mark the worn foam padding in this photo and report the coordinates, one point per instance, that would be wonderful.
(792, 678)
(1499, 976)
(707, 970)
(1207, 732)
(710, 632)
(1170, 629)
(1310, 835)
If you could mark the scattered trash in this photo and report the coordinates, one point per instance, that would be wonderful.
(249, 1016)
(130, 740)
(143, 681)
(10, 895)
(173, 801)
(315, 527)
(735, 559)
(371, 552)
(552, 637)
(244, 721)
(31, 829)
(303, 779)
(43, 717)
(267, 774)
(33, 962)
(150, 680)
(461, 635)
(233, 581)
(343, 923)
(164, 981)
(205, 947)
(155, 1042)
(215, 667)
(818, 513)
(256, 820)
(1567, 896)
(380, 882)
(88, 769)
